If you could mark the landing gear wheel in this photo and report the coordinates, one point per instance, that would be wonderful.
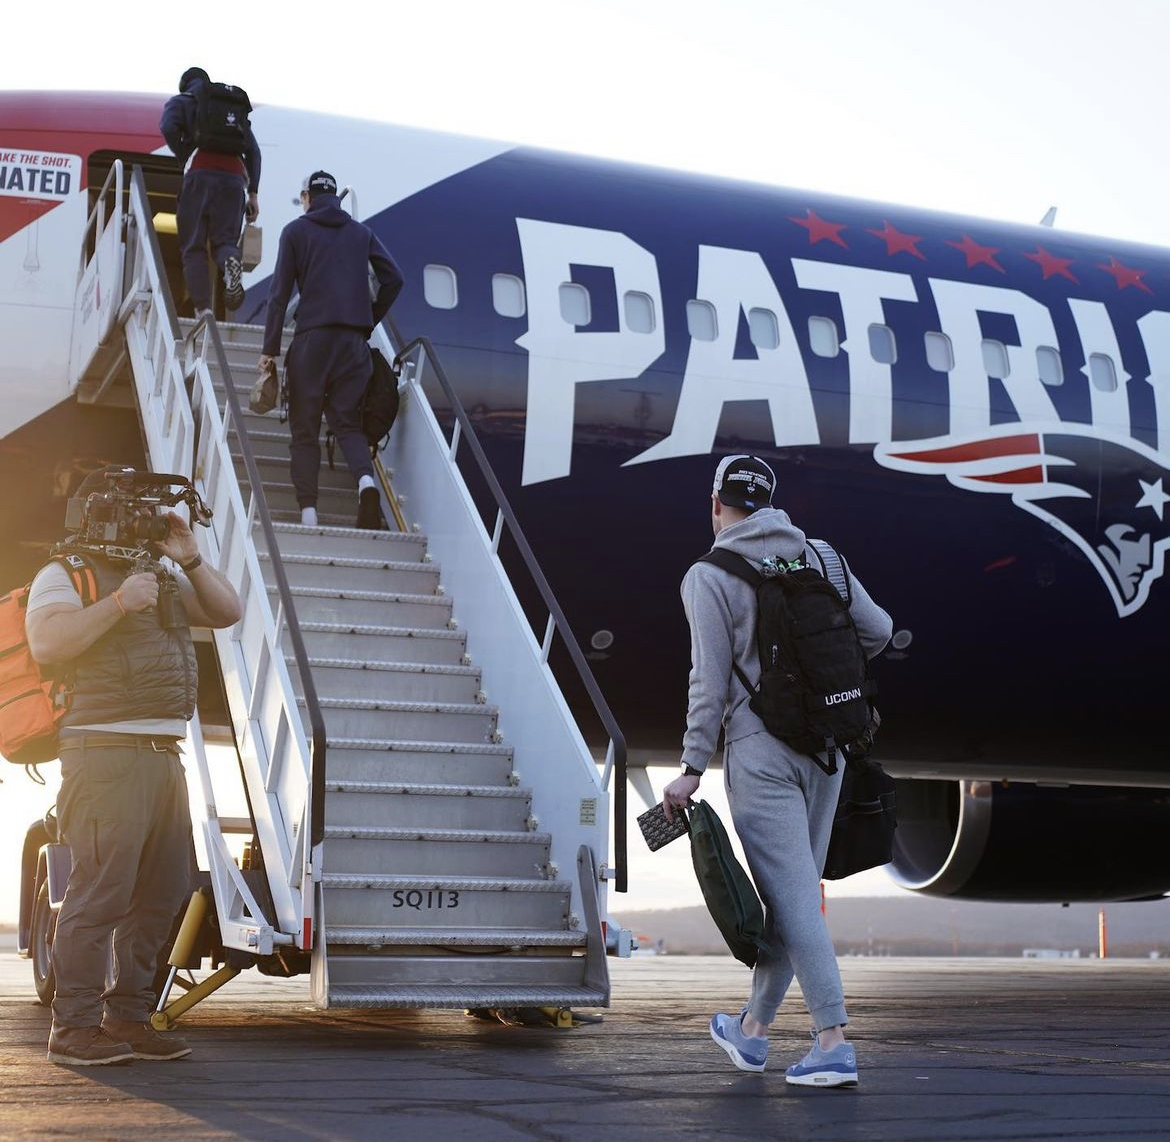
(44, 926)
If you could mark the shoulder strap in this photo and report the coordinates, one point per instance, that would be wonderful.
(832, 567)
(736, 565)
(82, 574)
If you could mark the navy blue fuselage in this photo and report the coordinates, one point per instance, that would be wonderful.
(1024, 637)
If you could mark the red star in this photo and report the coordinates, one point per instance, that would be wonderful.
(976, 254)
(1124, 276)
(899, 243)
(1050, 264)
(820, 230)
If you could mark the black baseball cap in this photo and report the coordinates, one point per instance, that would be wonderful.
(319, 182)
(744, 482)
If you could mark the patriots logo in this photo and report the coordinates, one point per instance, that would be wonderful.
(1104, 492)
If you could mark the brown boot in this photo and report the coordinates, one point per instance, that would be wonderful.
(144, 1040)
(87, 1047)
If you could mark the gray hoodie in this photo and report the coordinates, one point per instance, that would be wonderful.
(721, 611)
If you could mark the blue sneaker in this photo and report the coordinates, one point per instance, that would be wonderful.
(837, 1067)
(748, 1052)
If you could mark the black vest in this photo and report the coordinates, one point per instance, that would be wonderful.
(136, 669)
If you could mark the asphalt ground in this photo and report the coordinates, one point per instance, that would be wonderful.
(948, 1049)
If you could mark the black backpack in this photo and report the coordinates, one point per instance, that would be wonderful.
(864, 824)
(380, 405)
(221, 118)
(814, 689)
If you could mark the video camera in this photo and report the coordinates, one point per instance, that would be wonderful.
(116, 506)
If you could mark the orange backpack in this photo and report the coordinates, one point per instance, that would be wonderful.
(33, 701)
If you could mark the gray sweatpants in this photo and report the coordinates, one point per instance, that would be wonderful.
(123, 812)
(782, 805)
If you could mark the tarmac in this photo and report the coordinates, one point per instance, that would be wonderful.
(948, 1049)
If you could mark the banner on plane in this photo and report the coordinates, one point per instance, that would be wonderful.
(38, 175)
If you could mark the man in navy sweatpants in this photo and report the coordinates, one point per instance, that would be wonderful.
(219, 191)
(327, 254)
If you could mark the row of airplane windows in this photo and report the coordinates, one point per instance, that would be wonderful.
(441, 291)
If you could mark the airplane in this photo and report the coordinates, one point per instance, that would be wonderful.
(975, 413)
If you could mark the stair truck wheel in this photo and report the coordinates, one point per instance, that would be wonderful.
(44, 926)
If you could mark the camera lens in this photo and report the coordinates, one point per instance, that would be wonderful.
(149, 528)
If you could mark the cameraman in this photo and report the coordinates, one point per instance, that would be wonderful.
(122, 808)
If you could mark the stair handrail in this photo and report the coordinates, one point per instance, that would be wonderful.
(317, 744)
(168, 339)
(615, 762)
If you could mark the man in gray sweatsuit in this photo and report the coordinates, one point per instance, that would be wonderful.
(782, 803)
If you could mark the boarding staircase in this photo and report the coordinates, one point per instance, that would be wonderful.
(426, 825)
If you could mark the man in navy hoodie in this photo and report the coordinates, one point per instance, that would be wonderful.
(327, 255)
(219, 190)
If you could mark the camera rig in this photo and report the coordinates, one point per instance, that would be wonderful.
(115, 508)
(113, 514)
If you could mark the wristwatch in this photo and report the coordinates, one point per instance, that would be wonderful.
(690, 770)
(191, 564)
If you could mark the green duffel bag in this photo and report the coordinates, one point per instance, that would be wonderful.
(727, 889)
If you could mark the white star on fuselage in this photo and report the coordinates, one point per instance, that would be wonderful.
(1153, 496)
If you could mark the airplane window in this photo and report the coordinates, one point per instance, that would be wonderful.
(439, 287)
(995, 359)
(508, 295)
(701, 322)
(822, 336)
(939, 353)
(764, 329)
(881, 344)
(1048, 365)
(639, 309)
(575, 304)
(1102, 373)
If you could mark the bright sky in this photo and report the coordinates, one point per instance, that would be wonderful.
(999, 109)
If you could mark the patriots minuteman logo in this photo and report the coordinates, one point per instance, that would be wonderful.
(1104, 492)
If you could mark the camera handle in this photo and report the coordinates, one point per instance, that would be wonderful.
(168, 608)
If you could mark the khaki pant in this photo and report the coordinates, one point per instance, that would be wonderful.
(123, 812)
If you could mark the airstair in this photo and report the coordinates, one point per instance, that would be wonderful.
(425, 824)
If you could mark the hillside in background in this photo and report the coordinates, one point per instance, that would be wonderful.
(921, 926)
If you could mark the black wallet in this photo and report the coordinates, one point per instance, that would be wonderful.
(658, 831)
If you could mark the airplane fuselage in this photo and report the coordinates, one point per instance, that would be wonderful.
(976, 414)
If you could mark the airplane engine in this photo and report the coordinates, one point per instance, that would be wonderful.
(985, 840)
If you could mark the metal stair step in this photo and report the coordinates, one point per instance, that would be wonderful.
(441, 763)
(381, 900)
(350, 970)
(409, 721)
(400, 681)
(274, 470)
(354, 573)
(237, 333)
(400, 644)
(422, 997)
(338, 505)
(345, 605)
(295, 538)
(327, 516)
(264, 432)
(395, 805)
(255, 424)
(437, 852)
(454, 937)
